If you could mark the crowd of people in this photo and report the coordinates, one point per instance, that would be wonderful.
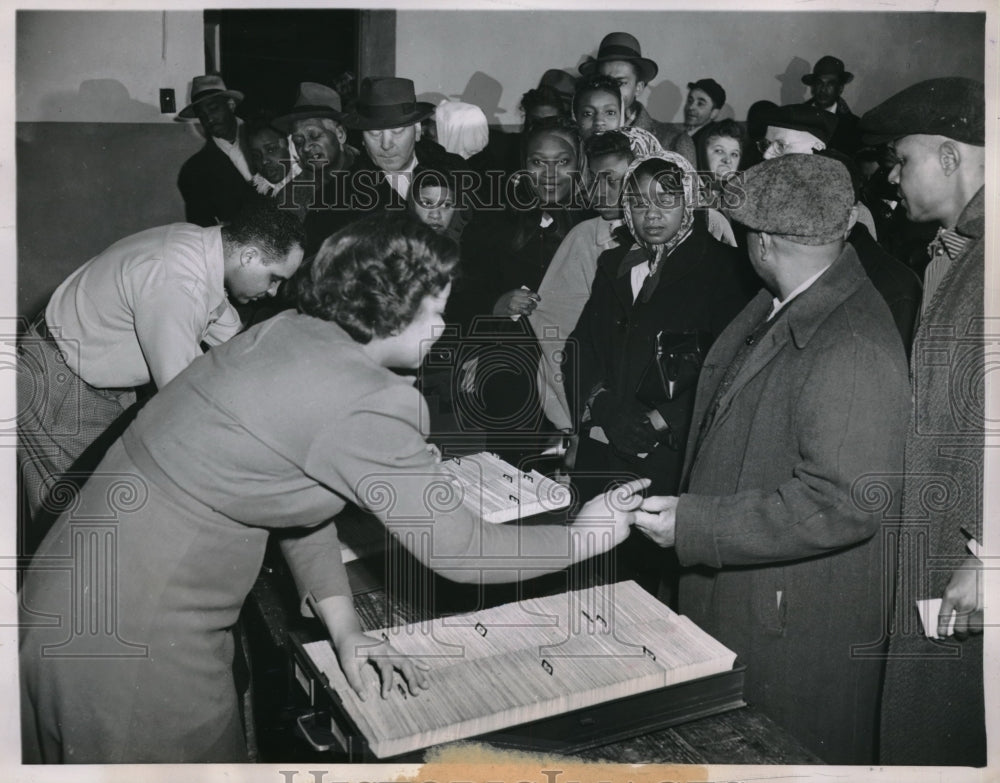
(726, 327)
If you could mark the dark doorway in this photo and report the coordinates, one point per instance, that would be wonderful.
(267, 53)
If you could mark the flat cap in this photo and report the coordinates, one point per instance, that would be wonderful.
(952, 107)
(805, 198)
(802, 117)
(712, 89)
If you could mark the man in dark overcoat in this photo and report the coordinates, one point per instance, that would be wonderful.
(791, 467)
(933, 708)
(215, 182)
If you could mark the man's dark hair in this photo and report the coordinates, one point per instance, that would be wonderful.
(595, 83)
(608, 143)
(260, 222)
(543, 96)
(371, 276)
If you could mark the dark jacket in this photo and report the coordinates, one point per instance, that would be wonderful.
(780, 524)
(897, 283)
(933, 710)
(703, 285)
(212, 188)
(846, 136)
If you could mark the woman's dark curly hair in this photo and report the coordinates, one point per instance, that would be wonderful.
(598, 82)
(371, 276)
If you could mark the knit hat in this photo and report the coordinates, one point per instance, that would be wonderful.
(952, 107)
(805, 198)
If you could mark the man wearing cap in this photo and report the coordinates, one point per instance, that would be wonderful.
(826, 83)
(216, 180)
(388, 115)
(805, 129)
(134, 314)
(933, 706)
(800, 415)
(704, 102)
(620, 57)
(317, 134)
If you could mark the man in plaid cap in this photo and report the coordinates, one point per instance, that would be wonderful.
(801, 399)
(933, 706)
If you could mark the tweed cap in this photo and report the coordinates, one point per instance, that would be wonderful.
(952, 107)
(805, 198)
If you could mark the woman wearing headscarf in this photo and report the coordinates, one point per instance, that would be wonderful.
(566, 286)
(658, 302)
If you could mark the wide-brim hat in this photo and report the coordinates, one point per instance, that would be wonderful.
(203, 88)
(314, 101)
(624, 47)
(390, 102)
(828, 66)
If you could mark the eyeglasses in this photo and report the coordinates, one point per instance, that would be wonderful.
(764, 145)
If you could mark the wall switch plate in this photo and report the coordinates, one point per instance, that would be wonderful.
(168, 104)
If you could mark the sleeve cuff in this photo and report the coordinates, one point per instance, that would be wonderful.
(694, 537)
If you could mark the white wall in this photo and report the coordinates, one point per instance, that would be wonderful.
(105, 66)
(753, 55)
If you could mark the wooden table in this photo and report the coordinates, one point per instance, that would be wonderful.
(743, 736)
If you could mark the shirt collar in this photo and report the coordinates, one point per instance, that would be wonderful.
(947, 241)
(215, 263)
(778, 304)
(605, 231)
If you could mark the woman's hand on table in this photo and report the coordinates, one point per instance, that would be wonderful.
(355, 649)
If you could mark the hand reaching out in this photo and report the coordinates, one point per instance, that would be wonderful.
(518, 301)
(617, 505)
(657, 518)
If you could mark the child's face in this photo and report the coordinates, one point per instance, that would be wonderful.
(657, 214)
(435, 206)
(550, 159)
(723, 156)
(608, 172)
(598, 111)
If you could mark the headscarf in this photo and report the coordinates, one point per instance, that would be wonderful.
(642, 251)
(642, 142)
(462, 128)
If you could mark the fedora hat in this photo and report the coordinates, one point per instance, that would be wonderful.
(828, 66)
(389, 102)
(803, 117)
(203, 88)
(621, 46)
(314, 101)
